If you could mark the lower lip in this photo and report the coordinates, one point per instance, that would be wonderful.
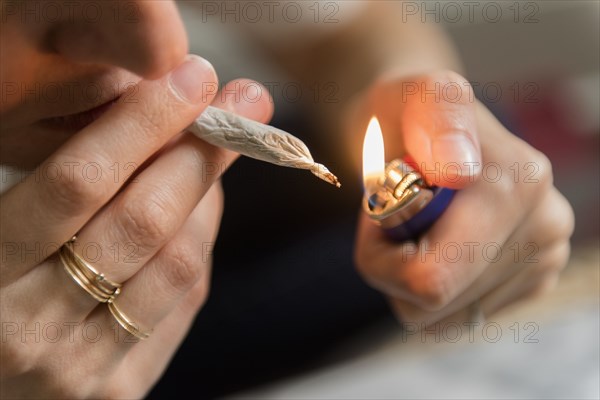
(76, 122)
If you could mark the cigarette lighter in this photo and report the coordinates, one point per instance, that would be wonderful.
(397, 198)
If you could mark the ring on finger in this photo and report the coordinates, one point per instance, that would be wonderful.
(86, 276)
(127, 323)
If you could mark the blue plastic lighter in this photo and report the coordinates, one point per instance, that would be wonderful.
(403, 204)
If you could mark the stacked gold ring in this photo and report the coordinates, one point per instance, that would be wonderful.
(127, 323)
(97, 285)
(86, 276)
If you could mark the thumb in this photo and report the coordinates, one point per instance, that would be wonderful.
(432, 117)
(439, 129)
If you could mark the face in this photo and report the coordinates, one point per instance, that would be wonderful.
(64, 63)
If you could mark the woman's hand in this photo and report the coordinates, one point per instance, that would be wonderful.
(506, 233)
(154, 233)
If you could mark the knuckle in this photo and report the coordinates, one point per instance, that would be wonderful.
(183, 267)
(432, 289)
(549, 265)
(16, 359)
(537, 178)
(563, 216)
(76, 191)
(553, 222)
(196, 297)
(556, 258)
(146, 222)
(435, 294)
(544, 177)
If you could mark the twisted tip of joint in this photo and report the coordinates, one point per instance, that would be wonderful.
(323, 173)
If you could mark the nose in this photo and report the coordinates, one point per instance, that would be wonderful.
(145, 37)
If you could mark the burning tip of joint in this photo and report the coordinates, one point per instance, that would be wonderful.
(323, 173)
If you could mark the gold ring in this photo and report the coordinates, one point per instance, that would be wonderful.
(105, 284)
(90, 280)
(127, 323)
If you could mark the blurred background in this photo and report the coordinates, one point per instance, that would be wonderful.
(536, 65)
(549, 69)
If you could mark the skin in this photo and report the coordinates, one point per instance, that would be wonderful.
(406, 76)
(527, 222)
(169, 220)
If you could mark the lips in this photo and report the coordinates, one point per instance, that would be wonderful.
(78, 121)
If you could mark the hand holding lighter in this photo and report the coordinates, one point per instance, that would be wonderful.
(397, 197)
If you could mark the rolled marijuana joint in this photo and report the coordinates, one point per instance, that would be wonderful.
(259, 141)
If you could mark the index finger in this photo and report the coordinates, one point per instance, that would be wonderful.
(40, 214)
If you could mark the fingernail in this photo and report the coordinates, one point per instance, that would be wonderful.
(191, 79)
(456, 150)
